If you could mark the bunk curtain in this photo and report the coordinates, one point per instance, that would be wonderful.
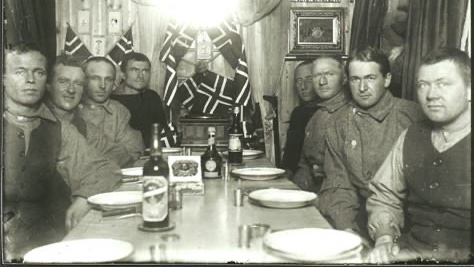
(431, 24)
(34, 21)
(367, 23)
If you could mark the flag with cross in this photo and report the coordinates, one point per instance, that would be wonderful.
(73, 45)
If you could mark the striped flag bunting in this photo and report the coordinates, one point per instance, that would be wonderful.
(74, 46)
(178, 39)
(206, 92)
(169, 136)
(122, 47)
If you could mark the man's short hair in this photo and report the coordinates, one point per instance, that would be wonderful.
(97, 59)
(133, 56)
(338, 59)
(304, 63)
(23, 48)
(370, 54)
(459, 58)
(66, 60)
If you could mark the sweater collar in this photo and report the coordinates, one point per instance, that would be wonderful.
(380, 110)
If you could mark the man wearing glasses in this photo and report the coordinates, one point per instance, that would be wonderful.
(111, 117)
(328, 81)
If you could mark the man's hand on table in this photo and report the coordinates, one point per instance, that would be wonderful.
(384, 251)
(76, 211)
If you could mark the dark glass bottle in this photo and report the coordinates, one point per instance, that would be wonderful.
(235, 139)
(211, 161)
(155, 211)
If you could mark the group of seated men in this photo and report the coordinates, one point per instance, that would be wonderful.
(66, 138)
(393, 171)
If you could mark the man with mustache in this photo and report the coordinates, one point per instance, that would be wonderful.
(49, 171)
(360, 138)
(328, 80)
(111, 117)
(144, 104)
(64, 92)
(299, 116)
(424, 184)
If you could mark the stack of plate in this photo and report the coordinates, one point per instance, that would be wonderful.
(281, 198)
(131, 175)
(92, 250)
(314, 245)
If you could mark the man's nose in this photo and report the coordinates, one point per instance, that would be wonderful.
(30, 77)
(363, 86)
(102, 83)
(432, 93)
(70, 88)
(323, 80)
(140, 74)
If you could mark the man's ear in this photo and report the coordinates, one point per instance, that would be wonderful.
(388, 79)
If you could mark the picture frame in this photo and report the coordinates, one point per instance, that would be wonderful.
(315, 32)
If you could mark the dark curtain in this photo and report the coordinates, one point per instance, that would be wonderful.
(367, 23)
(431, 24)
(33, 21)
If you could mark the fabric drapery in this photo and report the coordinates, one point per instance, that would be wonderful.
(367, 23)
(466, 33)
(251, 11)
(431, 24)
(34, 21)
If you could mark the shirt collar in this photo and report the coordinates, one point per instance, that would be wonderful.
(106, 106)
(336, 102)
(381, 109)
(42, 112)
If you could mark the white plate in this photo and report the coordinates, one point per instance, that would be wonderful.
(248, 153)
(258, 174)
(313, 244)
(136, 171)
(282, 198)
(115, 200)
(91, 250)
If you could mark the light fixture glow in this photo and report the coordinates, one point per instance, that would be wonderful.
(202, 13)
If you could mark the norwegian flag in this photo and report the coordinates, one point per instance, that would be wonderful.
(122, 47)
(241, 86)
(177, 42)
(188, 89)
(227, 39)
(169, 136)
(74, 46)
(214, 94)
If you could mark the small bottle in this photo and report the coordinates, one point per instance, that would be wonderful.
(155, 212)
(211, 161)
(235, 139)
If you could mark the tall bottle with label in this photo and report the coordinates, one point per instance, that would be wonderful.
(155, 212)
(235, 139)
(211, 161)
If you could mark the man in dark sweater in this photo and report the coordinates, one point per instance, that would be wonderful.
(424, 184)
(299, 116)
(144, 104)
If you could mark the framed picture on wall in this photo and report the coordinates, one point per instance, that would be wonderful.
(315, 32)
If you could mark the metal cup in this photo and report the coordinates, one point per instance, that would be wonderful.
(176, 198)
(238, 197)
(244, 236)
(259, 230)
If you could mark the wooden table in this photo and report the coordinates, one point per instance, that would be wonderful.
(207, 225)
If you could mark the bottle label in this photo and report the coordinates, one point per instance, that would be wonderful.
(210, 165)
(155, 198)
(235, 144)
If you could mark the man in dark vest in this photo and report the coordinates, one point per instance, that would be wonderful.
(49, 171)
(299, 116)
(65, 85)
(420, 205)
